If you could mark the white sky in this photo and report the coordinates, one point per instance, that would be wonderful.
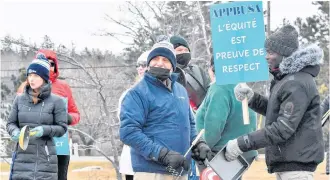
(75, 21)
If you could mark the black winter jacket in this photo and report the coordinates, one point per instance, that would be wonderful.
(50, 112)
(196, 81)
(292, 135)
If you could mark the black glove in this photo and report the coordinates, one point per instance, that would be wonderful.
(173, 159)
(69, 119)
(201, 151)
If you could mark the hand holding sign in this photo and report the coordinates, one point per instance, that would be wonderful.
(243, 91)
(244, 94)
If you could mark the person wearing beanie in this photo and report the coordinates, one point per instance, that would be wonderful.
(45, 114)
(292, 135)
(156, 121)
(141, 64)
(220, 115)
(62, 89)
(125, 163)
(192, 77)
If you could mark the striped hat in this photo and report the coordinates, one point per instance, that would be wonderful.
(40, 65)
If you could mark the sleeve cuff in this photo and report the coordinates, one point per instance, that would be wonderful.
(155, 154)
(255, 94)
(244, 143)
(47, 130)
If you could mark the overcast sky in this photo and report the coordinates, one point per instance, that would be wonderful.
(70, 21)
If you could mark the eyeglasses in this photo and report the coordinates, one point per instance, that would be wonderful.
(52, 64)
(141, 65)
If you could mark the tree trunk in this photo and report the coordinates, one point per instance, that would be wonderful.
(268, 18)
(112, 138)
(203, 29)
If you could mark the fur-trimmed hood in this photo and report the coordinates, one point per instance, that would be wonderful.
(310, 55)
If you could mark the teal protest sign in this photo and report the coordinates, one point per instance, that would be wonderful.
(62, 143)
(238, 36)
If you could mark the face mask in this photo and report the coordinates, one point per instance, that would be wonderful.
(159, 73)
(183, 59)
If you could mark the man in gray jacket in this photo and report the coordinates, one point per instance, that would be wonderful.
(292, 135)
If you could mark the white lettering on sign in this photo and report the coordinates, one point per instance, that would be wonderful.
(258, 52)
(240, 67)
(239, 54)
(237, 26)
(238, 40)
(232, 54)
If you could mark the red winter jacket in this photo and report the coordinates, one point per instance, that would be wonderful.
(59, 87)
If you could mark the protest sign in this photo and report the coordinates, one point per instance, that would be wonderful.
(62, 143)
(238, 37)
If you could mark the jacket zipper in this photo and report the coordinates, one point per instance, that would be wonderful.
(279, 149)
(36, 164)
(47, 152)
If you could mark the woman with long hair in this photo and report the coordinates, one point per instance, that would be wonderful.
(46, 115)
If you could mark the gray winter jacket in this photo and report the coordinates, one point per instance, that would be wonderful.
(292, 134)
(324, 108)
(35, 163)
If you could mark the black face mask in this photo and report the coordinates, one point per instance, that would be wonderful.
(183, 59)
(159, 73)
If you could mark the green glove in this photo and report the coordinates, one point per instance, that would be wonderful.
(15, 135)
(37, 131)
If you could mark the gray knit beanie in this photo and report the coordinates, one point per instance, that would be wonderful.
(284, 41)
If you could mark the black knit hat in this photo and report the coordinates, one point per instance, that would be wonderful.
(179, 41)
(284, 41)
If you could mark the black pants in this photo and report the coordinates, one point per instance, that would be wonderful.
(129, 177)
(63, 164)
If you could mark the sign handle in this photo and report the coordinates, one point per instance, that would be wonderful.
(195, 141)
(245, 108)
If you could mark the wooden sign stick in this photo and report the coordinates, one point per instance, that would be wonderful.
(245, 108)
